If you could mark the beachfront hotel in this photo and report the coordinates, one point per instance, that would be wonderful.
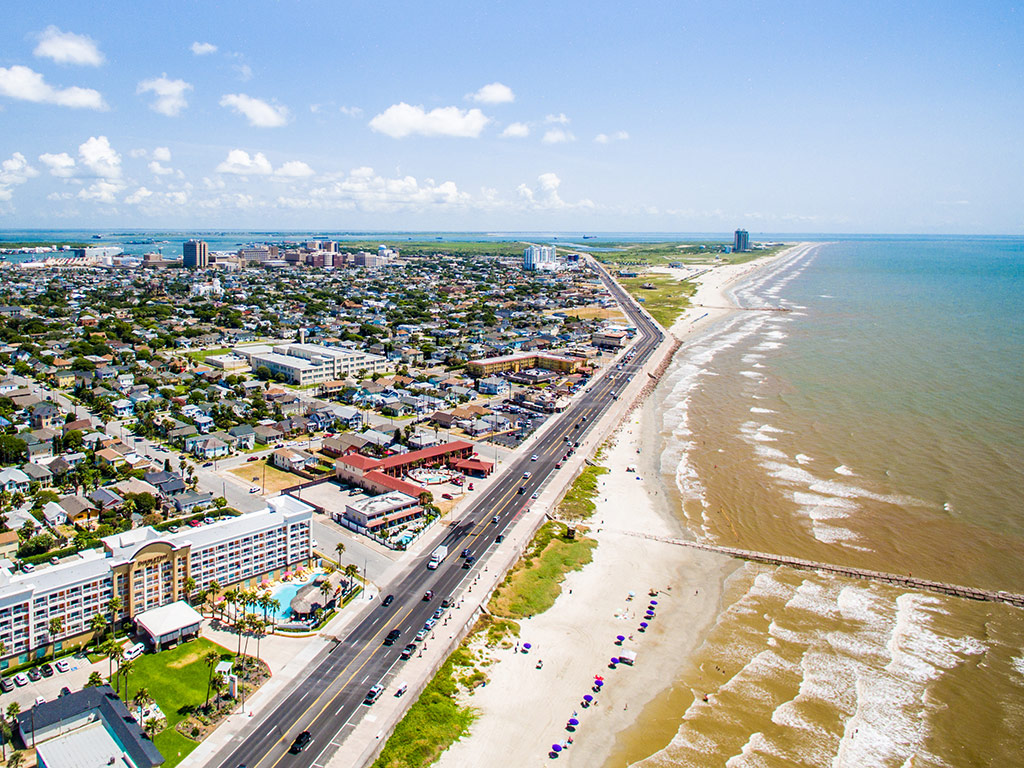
(146, 569)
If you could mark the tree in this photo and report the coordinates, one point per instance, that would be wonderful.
(115, 607)
(141, 699)
(211, 659)
(112, 650)
(95, 680)
(5, 735)
(340, 549)
(15, 760)
(151, 726)
(126, 668)
(326, 590)
(259, 627)
(217, 683)
(98, 625)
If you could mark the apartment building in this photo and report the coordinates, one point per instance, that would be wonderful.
(304, 364)
(147, 568)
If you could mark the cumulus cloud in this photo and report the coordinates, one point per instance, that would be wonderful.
(351, 111)
(102, 191)
(604, 138)
(13, 171)
(244, 72)
(493, 93)
(138, 196)
(401, 120)
(365, 189)
(99, 157)
(258, 112)
(158, 169)
(240, 163)
(544, 196)
(18, 82)
(170, 94)
(560, 118)
(516, 131)
(68, 48)
(163, 154)
(61, 164)
(557, 136)
(203, 49)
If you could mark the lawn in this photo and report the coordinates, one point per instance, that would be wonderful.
(578, 502)
(276, 479)
(202, 354)
(664, 297)
(175, 679)
(535, 582)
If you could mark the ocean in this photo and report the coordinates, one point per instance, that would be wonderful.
(879, 423)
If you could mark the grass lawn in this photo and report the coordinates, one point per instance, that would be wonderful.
(578, 502)
(175, 679)
(666, 300)
(205, 353)
(277, 480)
(535, 582)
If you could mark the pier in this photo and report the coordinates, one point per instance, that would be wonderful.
(911, 582)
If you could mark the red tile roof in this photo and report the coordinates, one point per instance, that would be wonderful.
(456, 446)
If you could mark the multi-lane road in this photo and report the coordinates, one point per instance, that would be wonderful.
(328, 702)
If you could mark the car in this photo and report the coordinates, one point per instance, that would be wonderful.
(522, 489)
(135, 651)
(46, 670)
(499, 538)
(21, 679)
(173, 529)
(466, 553)
(7, 685)
(408, 651)
(495, 519)
(393, 635)
(448, 602)
(526, 475)
(27, 567)
(535, 495)
(429, 623)
(387, 601)
(65, 691)
(40, 700)
(301, 742)
(534, 457)
(422, 635)
(54, 560)
(373, 693)
(468, 562)
(558, 465)
(34, 675)
(438, 613)
(253, 458)
(62, 665)
(208, 464)
(254, 489)
(447, 496)
(428, 595)
(576, 444)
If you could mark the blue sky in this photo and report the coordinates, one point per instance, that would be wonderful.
(593, 116)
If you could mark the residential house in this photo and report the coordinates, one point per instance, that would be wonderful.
(80, 511)
(292, 460)
(245, 437)
(206, 447)
(106, 498)
(13, 480)
(47, 415)
(37, 473)
(189, 501)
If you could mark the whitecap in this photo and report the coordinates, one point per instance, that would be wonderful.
(842, 469)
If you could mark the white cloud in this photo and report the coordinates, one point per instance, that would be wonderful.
(239, 163)
(244, 72)
(15, 170)
(401, 120)
(163, 154)
(545, 195)
(138, 196)
(258, 112)
(99, 157)
(560, 118)
(203, 49)
(604, 138)
(294, 169)
(351, 111)
(367, 190)
(158, 169)
(170, 94)
(26, 84)
(62, 164)
(516, 131)
(102, 191)
(557, 136)
(68, 48)
(493, 93)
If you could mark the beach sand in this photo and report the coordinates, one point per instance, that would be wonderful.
(524, 710)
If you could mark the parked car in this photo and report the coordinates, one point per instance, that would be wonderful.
(408, 651)
(27, 567)
(62, 665)
(7, 684)
(301, 742)
(135, 651)
(439, 613)
(46, 670)
(253, 458)
(499, 538)
(373, 693)
(447, 496)
(34, 675)
(420, 637)
(65, 691)
(448, 602)
(429, 623)
(54, 560)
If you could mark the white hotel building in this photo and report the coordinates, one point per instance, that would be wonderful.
(146, 568)
(313, 363)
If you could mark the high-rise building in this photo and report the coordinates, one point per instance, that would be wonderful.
(539, 257)
(741, 241)
(195, 254)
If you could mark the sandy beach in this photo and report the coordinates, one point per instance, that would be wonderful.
(524, 710)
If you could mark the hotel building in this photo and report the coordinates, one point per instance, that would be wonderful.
(147, 568)
(195, 254)
(304, 364)
(539, 257)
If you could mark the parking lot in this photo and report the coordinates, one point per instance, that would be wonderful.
(79, 669)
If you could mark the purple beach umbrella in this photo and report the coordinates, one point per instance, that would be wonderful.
(599, 683)
(654, 602)
(643, 624)
(573, 721)
(587, 697)
(614, 661)
(556, 747)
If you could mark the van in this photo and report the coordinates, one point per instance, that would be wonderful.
(135, 651)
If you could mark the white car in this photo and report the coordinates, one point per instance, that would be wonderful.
(21, 679)
(534, 457)
(62, 666)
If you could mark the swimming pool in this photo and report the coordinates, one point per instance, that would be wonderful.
(284, 594)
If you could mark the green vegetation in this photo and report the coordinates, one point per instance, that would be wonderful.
(578, 502)
(663, 254)
(176, 679)
(202, 354)
(664, 297)
(535, 582)
(436, 720)
(508, 248)
(14, 245)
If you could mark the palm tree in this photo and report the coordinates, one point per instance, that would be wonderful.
(115, 607)
(56, 626)
(325, 590)
(126, 669)
(340, 549)
(141, 699)
(259, 626)
(190, 586)
(5, 735)
(217, 683)
(151, 726)
(94, 681)
(263, 601)
(15, 760)
(112, 651)
(98, 625)
(211, 659)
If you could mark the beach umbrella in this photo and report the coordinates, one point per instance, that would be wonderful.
(632, 593)
(556, 747)
(643, 624)
(614, 661)
(619, 639)
(599, 682)
(573, 721)
(527, 646)
(598, 677)
(654, 602)
(587, 697)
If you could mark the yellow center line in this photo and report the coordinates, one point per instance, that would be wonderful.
(313, 703)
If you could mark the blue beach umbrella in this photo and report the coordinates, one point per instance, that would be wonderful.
(654, 602)
(587, 697)
(556, 747)
(599, 683)
(573, 721)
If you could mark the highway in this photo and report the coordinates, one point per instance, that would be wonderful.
(329, 701)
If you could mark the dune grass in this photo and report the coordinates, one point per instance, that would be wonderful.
(578, 502)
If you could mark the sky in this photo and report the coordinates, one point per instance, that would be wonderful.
(868, 117)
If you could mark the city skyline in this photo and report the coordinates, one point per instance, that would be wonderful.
(456, 117)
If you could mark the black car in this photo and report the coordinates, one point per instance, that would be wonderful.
(65, 691)
(301, 742)
(6, 685)
(388, 600)
(47, 670)
(393, 635)
(468, 562)
(466, 553)
(408, 651)
(499, 538)
(33, 675)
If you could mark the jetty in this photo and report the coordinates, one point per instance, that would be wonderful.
(746, 309)
(898, 579)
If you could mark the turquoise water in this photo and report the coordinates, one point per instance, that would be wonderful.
(284, 594)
